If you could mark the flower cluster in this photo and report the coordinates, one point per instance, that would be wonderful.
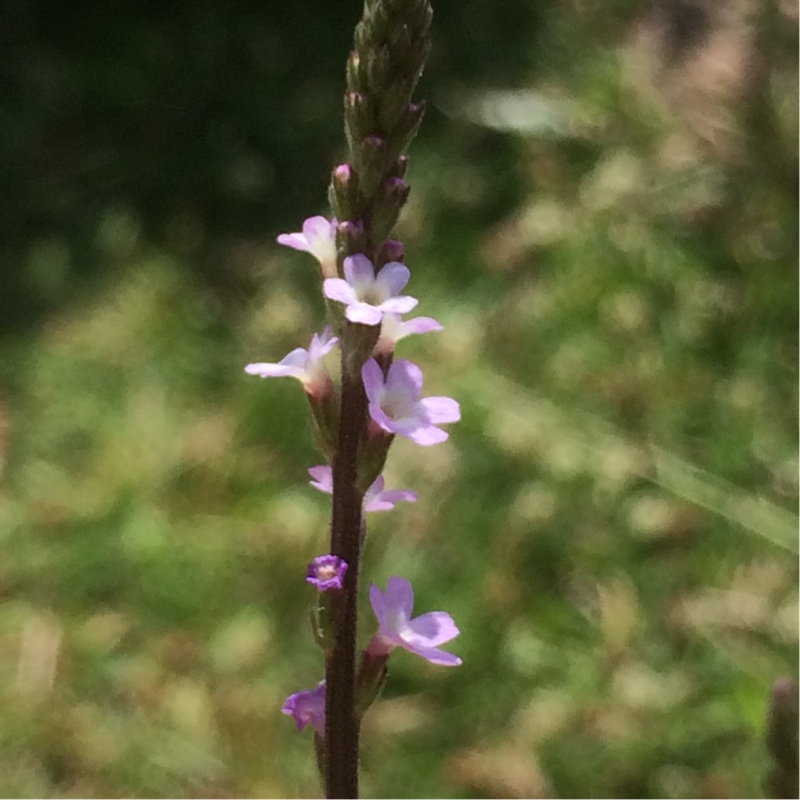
(369, 299)
(393, 389)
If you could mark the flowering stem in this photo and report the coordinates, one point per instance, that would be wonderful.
(341, 718)
(391, 44)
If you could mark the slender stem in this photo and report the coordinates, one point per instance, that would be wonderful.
(341, 719)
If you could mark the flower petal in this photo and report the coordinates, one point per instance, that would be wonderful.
(441, 409)
(419, 325)
(275, 371)
(406, 374)
(316, 228)
(323, 478)
(392, 277)
(385, 501)
(294, 240)
(434, 628)
(363, 313)
(339, 290)
(358, 269)
(438, 657)
(322, 344)
(374, 490)
(374, 385)
(378, 603)
(399, 495)
(398, 305)
(380, 418)
(399, 595)
(426, 436)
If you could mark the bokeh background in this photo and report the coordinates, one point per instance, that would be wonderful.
(603, 216)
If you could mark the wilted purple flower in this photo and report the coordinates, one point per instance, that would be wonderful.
(375, 498)
(393, 329)
(396, 628)
(367, 296)
(305, 365)
(327, 572)
(307, 706)
(395, 406)
(319, 239)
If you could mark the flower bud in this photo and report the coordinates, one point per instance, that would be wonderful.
(351, 237)
(343, 192)
(400, 167)
(406, 128)
(390, 250)
(370, 163)
(390, 200)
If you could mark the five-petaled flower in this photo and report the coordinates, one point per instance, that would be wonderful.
(305, 365)
(421, 636)
(367, 296)
(327, 572)
(318, 238)
(376, 498)
(307, 706)
(395, 406)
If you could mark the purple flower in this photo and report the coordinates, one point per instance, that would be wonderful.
(327, 572)
(395, 406)
(305, 365)
(367, 296)
(319, 239)
(307, 706)
(396, 628)
(393, 329)
(375, 498)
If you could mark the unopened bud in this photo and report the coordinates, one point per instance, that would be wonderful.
(351, 237)
(343, 192)
(371, 161)
(391, 198)
(390, 250)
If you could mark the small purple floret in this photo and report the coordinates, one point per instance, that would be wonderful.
(327, 572)
(304, 365)
(395, 406)
(307, 707)
(368, 297)
(421, 636)
(376, 498)
(318, 238)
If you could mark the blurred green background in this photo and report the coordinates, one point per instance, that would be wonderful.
(603, 216)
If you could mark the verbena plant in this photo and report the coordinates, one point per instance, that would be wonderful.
(355, 420)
